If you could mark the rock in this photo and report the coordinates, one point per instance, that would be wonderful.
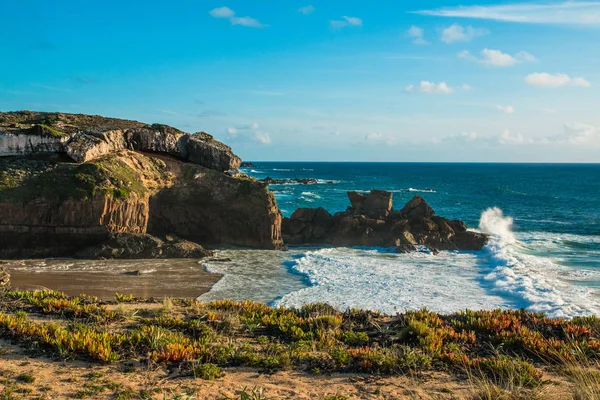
(52, 207)
(246, 164)
(308, 225)
(417, 208)
(85, 138)
(357, 201)
(85, 147)
(159, 139)
(457, 226)
(378, 203)
(134, 246)
(132, 273)
(405, 248)
(470, 240)
(204, 150)
(370, 221)
(220, 260)
(406, 238)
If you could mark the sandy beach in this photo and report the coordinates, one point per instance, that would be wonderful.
(104, 278)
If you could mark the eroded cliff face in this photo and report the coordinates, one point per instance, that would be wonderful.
(47, 228)
(129, 177)
(208, 207)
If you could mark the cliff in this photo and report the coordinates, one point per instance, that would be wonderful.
(103, 176)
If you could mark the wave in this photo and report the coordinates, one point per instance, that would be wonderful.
(422, 190)
(374, 279)
(534, 282)
(282, 169)
(311, 194)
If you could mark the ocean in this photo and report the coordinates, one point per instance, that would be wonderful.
(544, 254)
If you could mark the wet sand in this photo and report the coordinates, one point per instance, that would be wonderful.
(103, 278)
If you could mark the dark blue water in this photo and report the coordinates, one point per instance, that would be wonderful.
(544, 220)
(540, 197)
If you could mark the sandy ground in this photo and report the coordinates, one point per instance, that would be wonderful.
(170, 278)
(63, 380)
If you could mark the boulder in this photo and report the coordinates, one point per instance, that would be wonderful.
(84, 147)
(468, 240)
(135, 246)
(357, 201)
(417, 208)
(378, 203)
(202, 149)
(159, 139)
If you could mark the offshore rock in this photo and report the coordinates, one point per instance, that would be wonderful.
(370, 221)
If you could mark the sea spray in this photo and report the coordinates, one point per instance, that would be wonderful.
(532, 282)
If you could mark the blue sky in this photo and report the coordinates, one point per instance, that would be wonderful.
(322, 80)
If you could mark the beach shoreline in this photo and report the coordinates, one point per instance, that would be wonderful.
(186, 278)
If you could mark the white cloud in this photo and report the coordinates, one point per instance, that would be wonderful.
(466, 87)
(508, 138)
(306, 10)
(567, 13)
(543, 79)
(222, 12)
(458, 33)
(232, 131)
(248, 22)
(226, 12)
(417, 34)
(506, 109)
(262, 137)
(461, 137)
(582, 134)
(346, 21)
(254, 126)
(379, 137)
(497, 58)
(430, 87)
(574, 134)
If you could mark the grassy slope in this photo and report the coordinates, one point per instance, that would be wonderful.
(501, 350)
(29, 179)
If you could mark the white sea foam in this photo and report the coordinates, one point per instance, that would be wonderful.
(534, 282)
(422, 190)
(389, 282)
(311, 194)
(508, 273)
(282, 169)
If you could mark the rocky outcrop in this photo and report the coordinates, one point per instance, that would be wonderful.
(84, 147)
(209, 207)
(85, 138)
(137, 246)
(371, 221)
(127, 177)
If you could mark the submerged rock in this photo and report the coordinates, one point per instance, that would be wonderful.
(370, 221)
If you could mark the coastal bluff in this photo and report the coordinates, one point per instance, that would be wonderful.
(73, 181)
(371, 221)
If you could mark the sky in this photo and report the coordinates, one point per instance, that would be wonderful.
(322, 80)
